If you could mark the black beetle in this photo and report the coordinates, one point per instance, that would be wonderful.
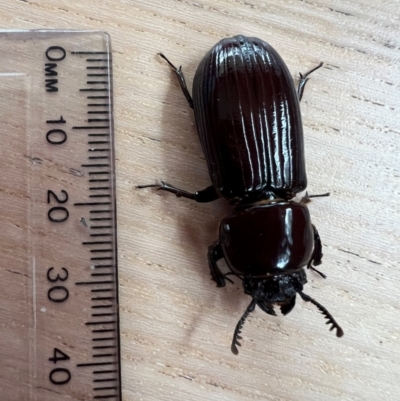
(248, 117)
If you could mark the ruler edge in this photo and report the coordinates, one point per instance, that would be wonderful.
(107, 38)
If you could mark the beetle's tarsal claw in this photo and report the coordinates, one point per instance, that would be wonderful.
(319, 195)
(307, 198)
(317, 271)
(239, 326)
(146, 186)
(161, 185)
(165, 58)
(331, 320)
(311, 71)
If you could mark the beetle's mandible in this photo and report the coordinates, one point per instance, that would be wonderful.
(248, 118)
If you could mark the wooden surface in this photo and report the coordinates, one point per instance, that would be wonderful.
(176, 325)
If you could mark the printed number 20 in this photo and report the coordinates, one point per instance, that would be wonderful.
(57, 214)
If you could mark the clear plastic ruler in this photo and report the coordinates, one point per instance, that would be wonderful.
(59, 319)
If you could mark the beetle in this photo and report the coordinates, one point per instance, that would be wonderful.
(248, 118)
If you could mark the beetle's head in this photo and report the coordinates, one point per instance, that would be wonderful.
(277, 290)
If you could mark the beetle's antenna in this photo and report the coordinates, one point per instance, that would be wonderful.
(239, 326)
(331, 320)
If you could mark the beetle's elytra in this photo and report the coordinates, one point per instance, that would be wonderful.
(248, 118)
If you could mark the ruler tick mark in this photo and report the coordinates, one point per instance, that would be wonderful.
(97, 68)
(101, 219)
(104, 380)
(96, 242)
(92, 203)
(97, 75)
(81, 365)
(96, 188)
(94, 282)
(95, 165)
(102, 306)
(98, 150)
(93, 90)
(100, 250)
(88, 52)
(100, 323)
(102, 274)
(91, 127)
(100, 235)
(100, 180)
(103, 339)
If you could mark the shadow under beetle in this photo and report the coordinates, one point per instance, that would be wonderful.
(248, 118)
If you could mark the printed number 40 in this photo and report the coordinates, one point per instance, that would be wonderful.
(59, 376)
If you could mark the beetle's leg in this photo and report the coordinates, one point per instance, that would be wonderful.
(304, 79)
(178, 72)
(208, 194)
(316, 257)
(214, 254)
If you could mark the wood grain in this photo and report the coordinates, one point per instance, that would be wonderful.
(176, 326)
